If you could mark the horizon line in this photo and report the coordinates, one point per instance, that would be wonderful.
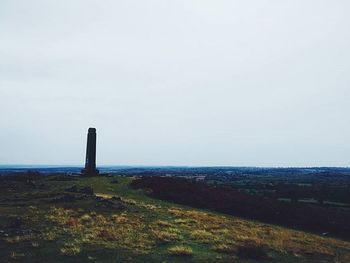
(166, 165)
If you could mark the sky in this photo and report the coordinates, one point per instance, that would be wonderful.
(203, 83)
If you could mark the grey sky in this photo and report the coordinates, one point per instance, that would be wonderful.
(263, 83)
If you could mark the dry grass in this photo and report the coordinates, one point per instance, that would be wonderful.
(182, 251)
(103, 195)
(16, 255)
(222, 234)
(129, 201)
(224, 248)
(162, 223)
(141, 233)
(35, 244)
(49, 235)
(19, 238)
(70, 249)
(203, 236)
(168, 234)
(112, 231)
(226, 235)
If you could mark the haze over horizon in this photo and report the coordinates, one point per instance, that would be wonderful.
(198, 83)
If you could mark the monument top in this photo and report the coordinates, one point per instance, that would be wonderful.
(92, 129)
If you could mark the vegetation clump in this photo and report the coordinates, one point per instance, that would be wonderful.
(180, 250)
(70, 249)
(166, 235)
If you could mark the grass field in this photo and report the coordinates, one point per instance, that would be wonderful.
(46, 220)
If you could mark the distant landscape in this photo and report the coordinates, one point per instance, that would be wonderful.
(326, 186)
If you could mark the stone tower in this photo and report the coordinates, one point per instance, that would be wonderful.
(90, 162)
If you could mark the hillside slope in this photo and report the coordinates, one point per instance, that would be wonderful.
(63, 219)
(311, 218)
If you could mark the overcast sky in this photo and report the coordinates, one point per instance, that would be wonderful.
(243, 83)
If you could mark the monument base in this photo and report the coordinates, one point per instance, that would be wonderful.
(86, 172)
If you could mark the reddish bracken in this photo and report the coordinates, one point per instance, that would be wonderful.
(73, 222)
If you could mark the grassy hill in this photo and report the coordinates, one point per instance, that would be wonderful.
(102, 219)
(311, 218)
